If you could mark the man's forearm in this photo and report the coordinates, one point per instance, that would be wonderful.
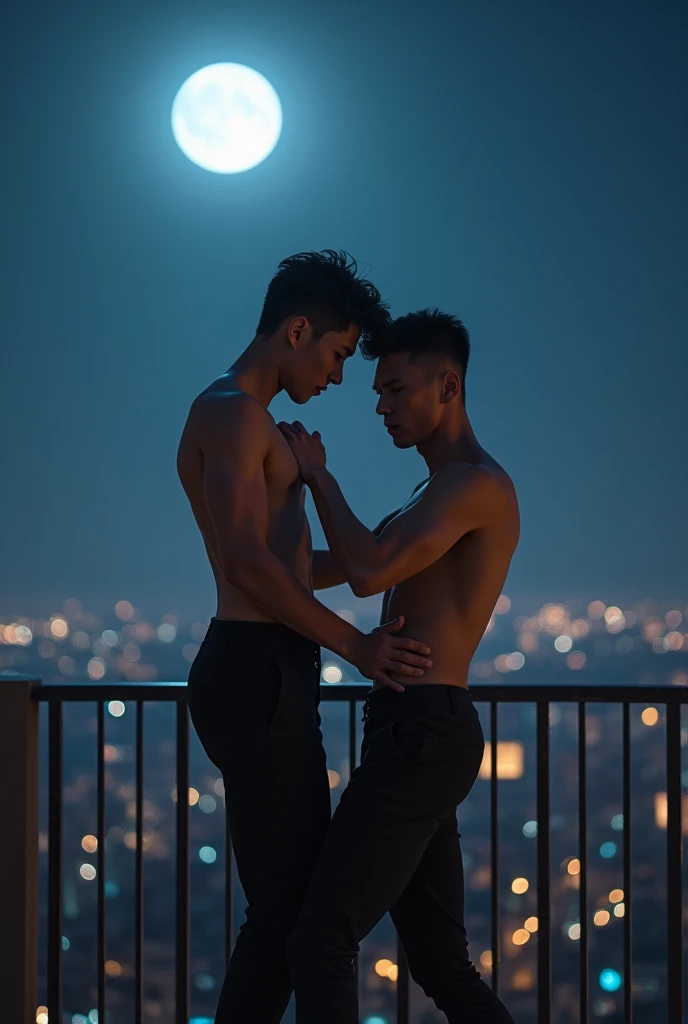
(326, 572)
(268, 582)
(353, 545)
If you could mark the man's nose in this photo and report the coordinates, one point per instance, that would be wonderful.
(382, 407)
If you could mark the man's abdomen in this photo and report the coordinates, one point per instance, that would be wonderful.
(432, 617)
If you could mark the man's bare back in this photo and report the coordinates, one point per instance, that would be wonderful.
(448, 604)
(289, 536)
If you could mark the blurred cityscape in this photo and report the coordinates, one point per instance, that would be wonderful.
(590, 641)
(558, 642)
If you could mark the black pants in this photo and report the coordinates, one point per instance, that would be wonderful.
(253, 699)
(393, 845)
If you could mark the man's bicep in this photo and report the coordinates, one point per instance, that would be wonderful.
(414, 529)
(377, 530)
(443, 514)
(234, 442)
(236, 497)
(411, 524)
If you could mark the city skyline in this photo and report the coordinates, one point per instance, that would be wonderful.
(556, 643)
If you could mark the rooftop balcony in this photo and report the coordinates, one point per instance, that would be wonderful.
(579, 921)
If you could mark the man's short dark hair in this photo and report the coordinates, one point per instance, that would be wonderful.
(325, 287)
(427, 332)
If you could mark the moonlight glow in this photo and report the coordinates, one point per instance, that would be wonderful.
(227, 118)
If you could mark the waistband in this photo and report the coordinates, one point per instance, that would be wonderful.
(254, 632)
(417, 698)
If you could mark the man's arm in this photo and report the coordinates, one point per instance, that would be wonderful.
(326, 572)
(458, 499)
(235, 441)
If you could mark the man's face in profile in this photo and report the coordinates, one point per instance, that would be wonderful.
(410, 397)
(318, 362)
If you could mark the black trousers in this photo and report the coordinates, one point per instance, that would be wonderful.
(393, 845)
(253, 699)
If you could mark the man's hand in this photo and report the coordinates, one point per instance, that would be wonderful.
(380, 652)
(307, 448)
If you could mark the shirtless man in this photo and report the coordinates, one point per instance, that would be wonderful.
(393, 844)
(254, 685)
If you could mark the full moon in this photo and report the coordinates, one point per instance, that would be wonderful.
(227, 118)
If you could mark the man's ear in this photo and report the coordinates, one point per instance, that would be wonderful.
(295, 329)
(451, 386)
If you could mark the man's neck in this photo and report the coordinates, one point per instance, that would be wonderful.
(256, 371)
(455, 442)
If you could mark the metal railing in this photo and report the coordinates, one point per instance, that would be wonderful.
(19, 756)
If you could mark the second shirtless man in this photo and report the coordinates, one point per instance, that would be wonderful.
(254, 685)
(441, 560)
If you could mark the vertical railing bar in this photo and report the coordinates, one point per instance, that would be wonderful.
(182, 907)
(494, 847)
(100, 856)
(352, 766)
(627, 825)
(138, 868)
(55, 861)
(543, 863)
(583, 861)
(674, 864)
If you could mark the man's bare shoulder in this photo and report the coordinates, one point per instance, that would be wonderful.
(461, 478)
(218, 416)
(484, 485)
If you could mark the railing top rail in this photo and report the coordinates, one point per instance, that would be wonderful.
(623, 693)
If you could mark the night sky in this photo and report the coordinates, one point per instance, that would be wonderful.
(521, 165)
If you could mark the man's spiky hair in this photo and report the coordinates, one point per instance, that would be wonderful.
(325, 288)
(426, 332)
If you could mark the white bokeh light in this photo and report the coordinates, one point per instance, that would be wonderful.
(332, 673)
(226, 118)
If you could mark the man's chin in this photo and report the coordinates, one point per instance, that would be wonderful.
(299, 399)
(400, 442)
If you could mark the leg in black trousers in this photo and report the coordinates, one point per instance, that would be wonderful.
(393, 845)
(253, 698)
(429, 919)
